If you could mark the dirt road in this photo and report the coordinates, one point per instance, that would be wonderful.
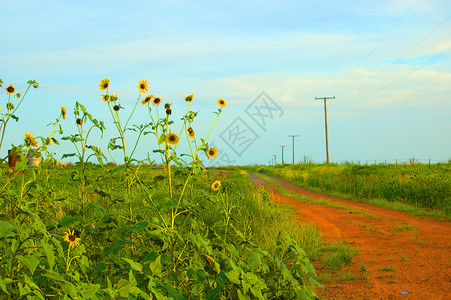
(401, 256)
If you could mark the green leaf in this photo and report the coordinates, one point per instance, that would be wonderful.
(48, 253)
(4, 282)
(109, 218)
(316, 283)
(196, 275)
(117, 169)
(156, 267)
(89, 290)
(161, 139)
(124, 287)
(67, 220)
(69, 289)
(6, 229)
(135, 265)
(96, 206)
(233, 276)
(151, 256)
(115, 247)
(67, 155)
(30, 262)
(139, 226)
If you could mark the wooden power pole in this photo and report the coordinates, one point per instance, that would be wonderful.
(282, 146)
(325, 120)
(293, 136)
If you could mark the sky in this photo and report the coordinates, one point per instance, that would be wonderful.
(386, 62)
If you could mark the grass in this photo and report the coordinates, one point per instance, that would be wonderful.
(388, 269)
(401, 227)
(337, 255)
(392, 187)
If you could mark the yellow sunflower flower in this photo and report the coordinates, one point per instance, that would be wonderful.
(10, 89)
(215, 185)
(104, 84)
(156, 101)
(143, 86)
(221, 102)
(63, 112)
(147, 99)
(189, 98)
(71, 239)
(30, 140)
(172, 138)
(190, 132)
(104, 98)
(18, 95)
(212, 152)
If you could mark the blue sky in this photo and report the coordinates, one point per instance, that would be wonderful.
(388, 63)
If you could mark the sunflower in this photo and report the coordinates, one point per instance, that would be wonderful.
(190, 132)
(18, 95)
(221, 102)
(215, 185)
(189, 98)
(30, 140)
(113, 97)
(156, 101)
(10, 89)
(71, 239)
(143, 86)
(212, 152)
(104, 84)
(79, 121)
(147, 99)
(10, 106)
(172, 138)
(63, 112)
(116, 107)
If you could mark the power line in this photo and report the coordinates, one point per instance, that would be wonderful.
(374, 49)
(405, 53)
(398, 79)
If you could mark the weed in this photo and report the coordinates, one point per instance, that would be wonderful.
(388, 269)
(338, 255)
(362, 267)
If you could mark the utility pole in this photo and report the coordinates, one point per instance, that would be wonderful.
(282, 146)
(325, 120)
(293, 136)
(275, 160)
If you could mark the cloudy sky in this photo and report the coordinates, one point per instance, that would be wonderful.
(386, 62)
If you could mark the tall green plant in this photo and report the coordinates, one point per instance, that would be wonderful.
(10, 107)
(80, 142)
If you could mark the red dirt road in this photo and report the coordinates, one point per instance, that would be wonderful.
(401, 256)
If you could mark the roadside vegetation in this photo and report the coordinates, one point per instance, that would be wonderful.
(129, 229)
(416, 188)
